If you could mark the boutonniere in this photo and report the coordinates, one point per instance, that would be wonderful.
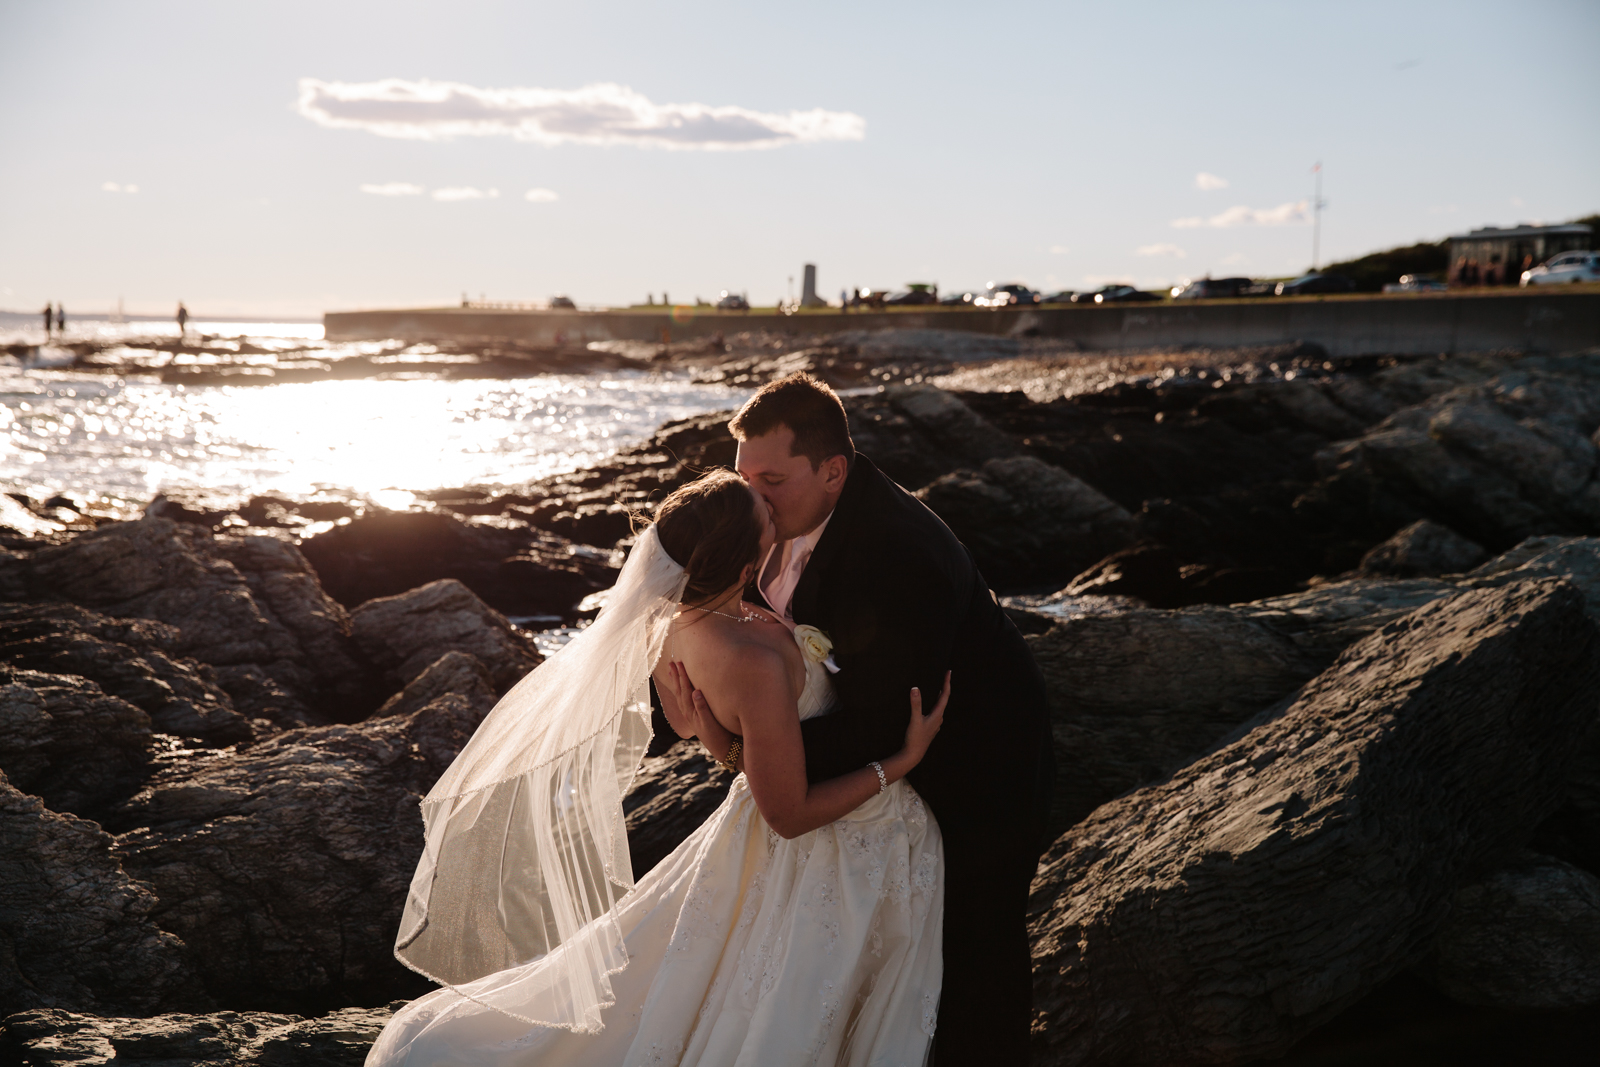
(816, 646)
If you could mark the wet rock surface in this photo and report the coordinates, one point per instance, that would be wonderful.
(64, 739)
(247, 601)
(284, 866)
(1225, 912)
(404, 634)
(48, 1038)
(129, 658)
(75, 929)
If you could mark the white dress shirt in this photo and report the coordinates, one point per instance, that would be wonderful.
(785, 563)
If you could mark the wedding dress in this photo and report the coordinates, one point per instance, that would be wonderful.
(740, 948)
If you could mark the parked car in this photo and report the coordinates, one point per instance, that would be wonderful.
(965, 296)
(1063, 297)
(1210, 288)
(916, 293)
(1567, 267)
(1415, 283)
(999, 296)
(732, 302)
(563, 302)
(1308, 284)
(1118, 294)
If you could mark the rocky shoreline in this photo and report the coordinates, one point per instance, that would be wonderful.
(1320, 637)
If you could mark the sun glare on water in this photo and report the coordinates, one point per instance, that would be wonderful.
(130, 438)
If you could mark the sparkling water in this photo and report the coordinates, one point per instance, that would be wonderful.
(121, 439)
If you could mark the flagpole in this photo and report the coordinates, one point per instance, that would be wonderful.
(1316, 218)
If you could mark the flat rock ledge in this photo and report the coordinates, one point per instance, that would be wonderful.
(1221, 914)
(54, 1038)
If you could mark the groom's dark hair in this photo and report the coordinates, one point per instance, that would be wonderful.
(808, 407)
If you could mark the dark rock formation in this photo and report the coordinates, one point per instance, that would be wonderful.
(405, 634)
(1526, 935)
(127, 658)
(285, 866)
(1026, 522)
(1148, 572)
(457, 672)
(75, 931)
(1137, 694)
(1223, 913)
(247, 602)
(225, 1039)
(1498, 459)
(384, 553)
(1422, 550)
(65, 740)
(672, 795)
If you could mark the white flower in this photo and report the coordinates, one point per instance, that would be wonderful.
(814, 644)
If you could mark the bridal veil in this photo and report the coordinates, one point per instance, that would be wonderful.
(526, 847)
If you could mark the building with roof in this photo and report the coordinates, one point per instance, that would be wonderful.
(1496, 256)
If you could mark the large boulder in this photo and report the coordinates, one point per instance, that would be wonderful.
(240, 603)
(1027, 522)
(384, 553)
(64, 739)
(1221, 914)
(127, 658)
(1526, 935)
(1136, 694)
(403, 635)
(57, 1038)
(75, 930)
(285, 866)
(1423, 549)
(1498, 459)
(460, 673)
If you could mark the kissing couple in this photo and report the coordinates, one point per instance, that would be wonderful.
(863, 886)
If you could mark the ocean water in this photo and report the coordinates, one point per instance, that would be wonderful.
(118, 440)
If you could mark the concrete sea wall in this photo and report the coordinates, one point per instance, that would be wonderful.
(1534, 320)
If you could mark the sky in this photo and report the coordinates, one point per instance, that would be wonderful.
(283, 159)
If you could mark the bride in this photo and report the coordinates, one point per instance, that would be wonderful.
(798, 925)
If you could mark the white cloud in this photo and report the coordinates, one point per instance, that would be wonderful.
(465, 192)
(1165, 251)
(393, 189)
(541, 196)
(1208, 182)
(1516, 201)
(113, 187)
(1282, 215)
(601, 114)
(1235, 260)
(1059, 250)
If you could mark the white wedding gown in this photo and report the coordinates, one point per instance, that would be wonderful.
(744, 949)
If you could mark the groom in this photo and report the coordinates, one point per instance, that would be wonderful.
(867, 563)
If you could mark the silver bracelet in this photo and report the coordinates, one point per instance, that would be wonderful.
(883, 782)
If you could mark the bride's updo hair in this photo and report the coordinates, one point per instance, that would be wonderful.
(709, 527)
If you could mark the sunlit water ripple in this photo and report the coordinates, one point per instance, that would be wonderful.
(121, 440)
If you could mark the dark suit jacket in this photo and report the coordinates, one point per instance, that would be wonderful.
(903, 602)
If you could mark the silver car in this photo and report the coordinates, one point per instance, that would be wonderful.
(1567, 267)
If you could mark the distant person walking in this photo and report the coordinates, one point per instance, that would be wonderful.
(61, 320)
(183, 319)
(844, 301)
(49, 319)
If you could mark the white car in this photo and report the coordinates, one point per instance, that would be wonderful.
(1567, 267)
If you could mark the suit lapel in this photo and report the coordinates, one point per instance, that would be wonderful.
(803, 605)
